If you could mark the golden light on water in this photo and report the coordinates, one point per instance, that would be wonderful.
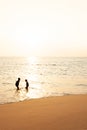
(32, 60)
(33, 76)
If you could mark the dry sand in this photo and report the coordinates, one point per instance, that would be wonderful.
(54, 113)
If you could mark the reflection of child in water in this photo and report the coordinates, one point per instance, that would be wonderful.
(27, 84)
(17, 83)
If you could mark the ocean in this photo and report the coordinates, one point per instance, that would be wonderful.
(47, 76)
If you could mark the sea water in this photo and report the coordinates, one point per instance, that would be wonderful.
(47, 76)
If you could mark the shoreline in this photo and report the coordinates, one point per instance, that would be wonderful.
(49, 113)
(26, 100)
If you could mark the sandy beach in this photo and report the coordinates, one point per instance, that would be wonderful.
(53, 113)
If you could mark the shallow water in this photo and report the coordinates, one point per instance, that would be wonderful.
(47, 77)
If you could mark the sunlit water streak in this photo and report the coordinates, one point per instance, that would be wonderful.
(46, 76)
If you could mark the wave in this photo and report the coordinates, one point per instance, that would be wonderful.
(84, 85)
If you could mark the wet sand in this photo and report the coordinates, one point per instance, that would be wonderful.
(53, 113)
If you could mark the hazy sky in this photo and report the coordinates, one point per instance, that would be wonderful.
(43, 28)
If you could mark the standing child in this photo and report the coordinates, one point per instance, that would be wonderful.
(27, 84)
(17, 83)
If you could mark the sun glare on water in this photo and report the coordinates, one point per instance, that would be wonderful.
(32, 60)
(33, 76)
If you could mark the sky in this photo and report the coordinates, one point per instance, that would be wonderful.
(43, 28)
